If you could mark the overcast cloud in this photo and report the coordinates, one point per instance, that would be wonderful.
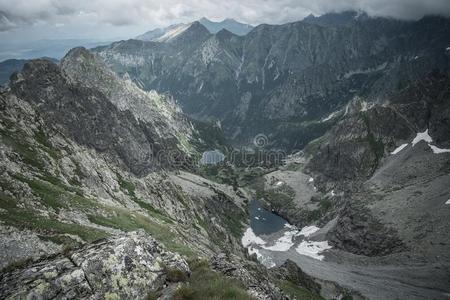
(108, 18)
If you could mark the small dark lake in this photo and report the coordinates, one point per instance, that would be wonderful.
(263, 221)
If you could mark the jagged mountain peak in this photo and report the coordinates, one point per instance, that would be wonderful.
(336, 18)
(224, 34)
(229, 24)
(184, 32)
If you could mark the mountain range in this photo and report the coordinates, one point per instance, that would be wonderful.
(103, 193)
(284, 80)
(161, 34)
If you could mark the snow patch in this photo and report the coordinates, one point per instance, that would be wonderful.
(308, 230)
(422, 136)
(311, 179)
(437, 150)
(447, 202)
(250, 238)
(287, 225)
(399, 148)
(333, 193)
(365, 71)
(279, 183)
(331, 116)
(284, 243)
(257, 218)
(313, 249)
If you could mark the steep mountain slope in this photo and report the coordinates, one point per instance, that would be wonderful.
(9, 66)
(285, 80)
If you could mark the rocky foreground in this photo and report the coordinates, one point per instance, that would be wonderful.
(124, 266)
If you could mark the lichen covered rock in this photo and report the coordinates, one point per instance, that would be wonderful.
(126, 266)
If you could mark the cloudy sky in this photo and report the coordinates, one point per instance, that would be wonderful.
(109, 19)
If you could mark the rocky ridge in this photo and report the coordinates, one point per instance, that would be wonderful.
(286, 81)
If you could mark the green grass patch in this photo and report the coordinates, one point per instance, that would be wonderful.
(296, 292)
(324, 206)
(127, 186)
(153, 211)
(48, 193)
(7, 202)
(126, 221)
(53, 193)
(31, 220)
(42, 139)
(204, 283)
(17, 141)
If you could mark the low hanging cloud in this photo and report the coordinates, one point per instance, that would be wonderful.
(21, 13)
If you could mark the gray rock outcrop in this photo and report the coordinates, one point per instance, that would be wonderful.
(127, 266)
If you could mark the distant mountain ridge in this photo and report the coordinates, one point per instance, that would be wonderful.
(336, 19)
(286, 81)
(163, 34)
(9, 66)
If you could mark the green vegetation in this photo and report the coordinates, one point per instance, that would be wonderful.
(280, 197)
(324, 206)
(75, 180)
(127, 186)
(211, 135)
(55, 194)
(29, 154)
(314, 145)
(20, 218)
(16, 265)
(176, 275)
(204, 283)
(296, 292)
(125, 220)
(42, 139)
(130, 189)
(153, 211)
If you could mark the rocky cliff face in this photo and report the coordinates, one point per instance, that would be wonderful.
(286, 80)
(72, 96)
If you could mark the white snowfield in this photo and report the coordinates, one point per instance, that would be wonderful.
(399, 148)
(250, 238)
(308, 230)
(284, 243)
(447, 202)
(422, 136)
(437, 150)
(313, 249)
